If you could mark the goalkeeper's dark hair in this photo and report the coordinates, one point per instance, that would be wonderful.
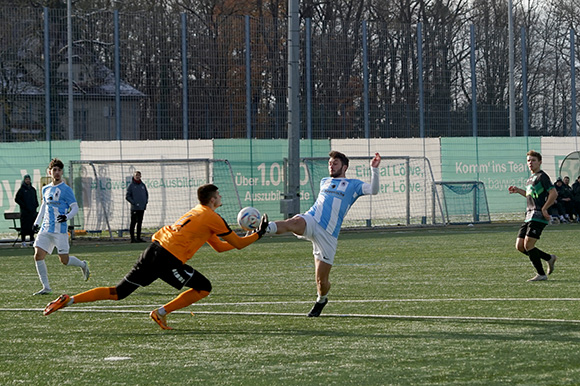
(205, 193)
(56, 162)
(336, 154)
(533, 153)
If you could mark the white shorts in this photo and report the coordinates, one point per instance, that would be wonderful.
(48, 241)
(323, 243)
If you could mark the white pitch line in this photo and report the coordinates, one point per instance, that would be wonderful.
(418, 300)
(302, 314)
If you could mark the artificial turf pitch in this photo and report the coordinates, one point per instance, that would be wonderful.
(432, 306)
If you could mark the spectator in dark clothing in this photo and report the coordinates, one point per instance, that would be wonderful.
(138, 196)
(572, 212)
(576, 197)
(564, 202)
(27, 199)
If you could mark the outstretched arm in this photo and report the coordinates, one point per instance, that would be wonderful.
(232, 240)
(373, 187)
(219, 245)
(376, 161)
(515, 189)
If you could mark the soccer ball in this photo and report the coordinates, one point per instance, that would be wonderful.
(249, 218)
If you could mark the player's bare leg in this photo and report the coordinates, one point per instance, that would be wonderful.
(322, 274)
(296, 225)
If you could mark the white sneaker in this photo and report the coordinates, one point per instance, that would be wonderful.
(551, 264)
(538, 277)
(44, 291)
(86, 271)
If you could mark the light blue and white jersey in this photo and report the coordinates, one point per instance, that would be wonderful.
(335, 198)
(57, 200)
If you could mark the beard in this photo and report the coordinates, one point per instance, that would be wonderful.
(335, 174)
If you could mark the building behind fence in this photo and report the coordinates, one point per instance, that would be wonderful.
(139, 76)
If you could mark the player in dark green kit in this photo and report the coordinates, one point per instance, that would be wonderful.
(540, 195)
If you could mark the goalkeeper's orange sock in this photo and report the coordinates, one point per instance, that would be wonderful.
(185, 299)
(99, 293)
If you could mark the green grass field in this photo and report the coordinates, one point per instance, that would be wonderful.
(407, 307)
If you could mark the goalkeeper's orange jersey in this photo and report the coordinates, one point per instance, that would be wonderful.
(198, 226)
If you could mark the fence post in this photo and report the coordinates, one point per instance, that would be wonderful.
(308, 79)
(420, 76)
(525, 84)
(117, 76)
(47, 106)
(365, 79)
(573, 80)
(473, 82)
(185, 101)
(248, 81)
(474, 95)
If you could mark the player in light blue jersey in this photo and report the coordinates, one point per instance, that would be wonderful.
(58, 206)
(322, 222)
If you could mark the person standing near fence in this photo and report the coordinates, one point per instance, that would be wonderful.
(321, 224)
(138, 196)
(540, 194)
(27, 199)
(58, 206)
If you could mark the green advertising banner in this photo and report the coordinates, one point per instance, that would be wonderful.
(497, 162)
(258, 167)
(20, 158)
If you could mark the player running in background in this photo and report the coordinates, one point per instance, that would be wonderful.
(58, 206)
(321, 224)
(165, 258)
(540, 195)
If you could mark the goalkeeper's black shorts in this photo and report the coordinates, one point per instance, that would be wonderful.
(158, 263)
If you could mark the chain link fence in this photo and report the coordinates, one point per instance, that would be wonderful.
(147, 76)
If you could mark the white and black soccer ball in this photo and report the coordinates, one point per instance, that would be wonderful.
(249, 218)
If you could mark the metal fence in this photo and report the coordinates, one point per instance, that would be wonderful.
(139, 76)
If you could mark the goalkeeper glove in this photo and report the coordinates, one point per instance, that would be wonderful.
(35, 228)
(263, 226)
(61, 218)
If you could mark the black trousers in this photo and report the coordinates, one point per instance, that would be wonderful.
(136, 221)
(26, 224)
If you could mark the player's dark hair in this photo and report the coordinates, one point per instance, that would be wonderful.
(56, 162)
(205, 193)
(533, 153)
(340, 156)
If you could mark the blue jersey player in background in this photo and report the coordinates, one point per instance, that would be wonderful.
(322, 222)
(58, 206)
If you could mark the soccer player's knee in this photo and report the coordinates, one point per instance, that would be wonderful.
(124, 289)
(202, 283)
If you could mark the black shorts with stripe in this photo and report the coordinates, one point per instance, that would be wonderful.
(158, 263)
(532, 229)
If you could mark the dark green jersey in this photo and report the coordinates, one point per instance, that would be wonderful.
(537, 188)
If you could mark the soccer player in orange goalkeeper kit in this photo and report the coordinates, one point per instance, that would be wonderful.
(165, 258)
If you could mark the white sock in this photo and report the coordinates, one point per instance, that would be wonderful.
(74, 261)
(42, 273)
(161, 311)
(321, 298)
(272, 227)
